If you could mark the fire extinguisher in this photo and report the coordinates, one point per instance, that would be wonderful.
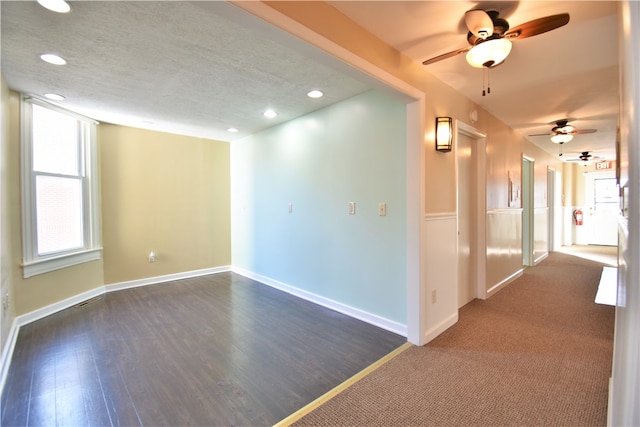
(577, 216)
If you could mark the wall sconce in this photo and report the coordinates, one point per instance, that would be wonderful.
(444, 133)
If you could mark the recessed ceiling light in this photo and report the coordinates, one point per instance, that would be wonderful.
(270, 114)
(52, 59)
(59, 6)
(232, 130)
(54, 96)
(315, 94)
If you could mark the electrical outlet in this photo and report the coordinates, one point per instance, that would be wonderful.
(152, 256)
(434, 296)
(352, 208)
(5, 301)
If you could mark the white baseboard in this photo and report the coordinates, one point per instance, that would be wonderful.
(166, 278)
(7, 353)
(356, 313)
(495, 288)
(27, 318)
(541, 258)
(59, 306)
(441, 327)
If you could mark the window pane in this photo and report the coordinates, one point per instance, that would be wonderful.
(605, 190)
(606, 196)
(55, 142)
(59, 214)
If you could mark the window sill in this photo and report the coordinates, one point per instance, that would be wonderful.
(46, 265)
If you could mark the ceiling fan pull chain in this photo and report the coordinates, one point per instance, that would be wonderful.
(488, 80)
(483, 81)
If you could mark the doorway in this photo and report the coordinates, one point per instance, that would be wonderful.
(471, 213)
(602, 205)
(466, 202)
(527, 211)
(551, 197)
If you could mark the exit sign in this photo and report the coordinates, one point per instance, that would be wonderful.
(603, 165)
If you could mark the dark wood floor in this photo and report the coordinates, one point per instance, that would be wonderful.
(214, 350)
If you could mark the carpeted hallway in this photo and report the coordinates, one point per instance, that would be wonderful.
(537, 353)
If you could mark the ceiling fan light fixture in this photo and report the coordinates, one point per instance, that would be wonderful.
(489, 53)
(561, 138)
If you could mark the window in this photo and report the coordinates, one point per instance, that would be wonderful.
(59, 188)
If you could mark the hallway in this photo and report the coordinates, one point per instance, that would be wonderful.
(603, 254)
(537, 353)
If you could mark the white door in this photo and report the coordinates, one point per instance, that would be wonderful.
(602, 206)
(466, 215)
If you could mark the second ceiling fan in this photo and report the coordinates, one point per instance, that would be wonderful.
(490, 38)
(563, 132)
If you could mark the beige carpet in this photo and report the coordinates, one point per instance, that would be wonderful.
(604, 254)
(537, 353)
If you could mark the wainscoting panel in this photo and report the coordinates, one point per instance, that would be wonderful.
(441, 259)
(504, 247)
(540, 234)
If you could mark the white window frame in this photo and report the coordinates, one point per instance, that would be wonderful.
(32, 263)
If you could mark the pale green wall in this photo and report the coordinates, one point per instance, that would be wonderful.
(353, 151)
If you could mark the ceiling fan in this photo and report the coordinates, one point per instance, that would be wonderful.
(563, 132)
(490, 38)
(584, 157)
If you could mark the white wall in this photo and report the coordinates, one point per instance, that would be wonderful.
(625, 383)
(354, 151)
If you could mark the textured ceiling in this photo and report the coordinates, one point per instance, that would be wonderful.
(197, 68)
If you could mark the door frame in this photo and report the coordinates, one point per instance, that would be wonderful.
(551, 198)
(479, 155)
(528, 180)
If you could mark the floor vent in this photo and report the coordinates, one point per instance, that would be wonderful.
(87, 302)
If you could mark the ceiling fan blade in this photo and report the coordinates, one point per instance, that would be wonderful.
(542, 134)
(446, 55)
(581, 131)
(538, 26)
(479, 23)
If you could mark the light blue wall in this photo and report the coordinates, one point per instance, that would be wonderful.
(353, 151)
